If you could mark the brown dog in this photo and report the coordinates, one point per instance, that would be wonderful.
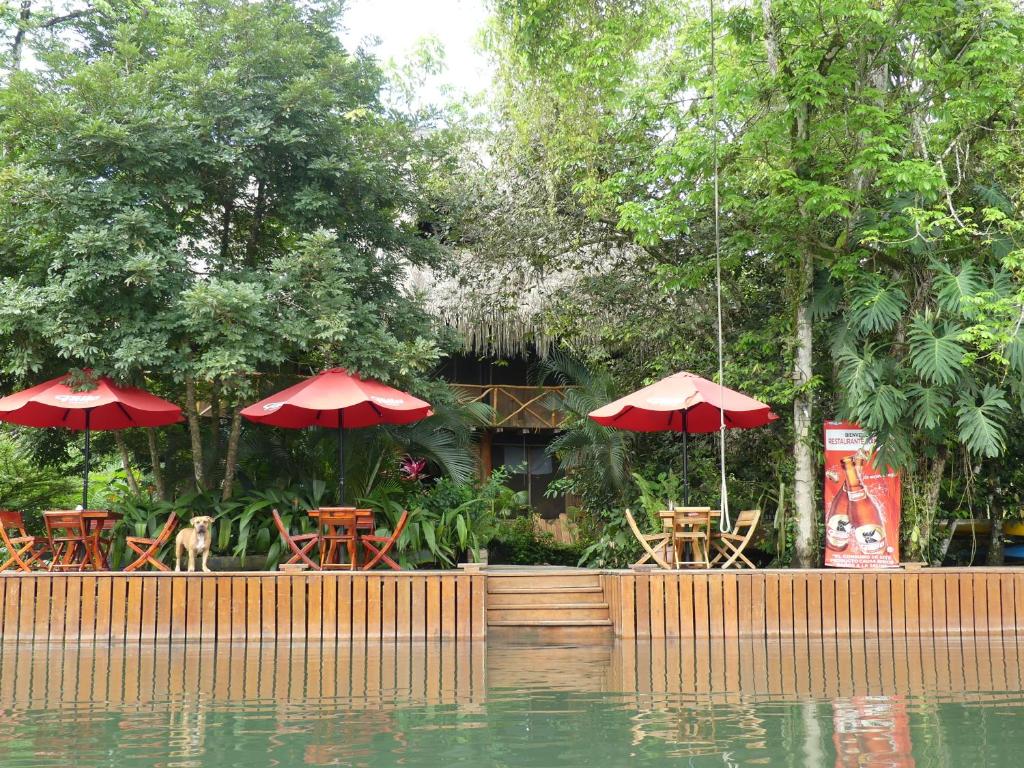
(194, 540)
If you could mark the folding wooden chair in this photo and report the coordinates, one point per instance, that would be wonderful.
(337, 528)
(300, 545)
(730, 546)
(148, 549)
(377, 547)
(660, 541)
(23, 549)
(691, 530)
(69, 540)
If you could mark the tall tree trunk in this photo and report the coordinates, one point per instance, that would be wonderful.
(154, 458)
(996, 554)
(231, 458)
(19, 37)
(195, 434)
(934, 470)
(126, 462)
(215, 417)
(805, 552)
(257, 222)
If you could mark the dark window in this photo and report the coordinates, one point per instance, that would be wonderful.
(530, 469)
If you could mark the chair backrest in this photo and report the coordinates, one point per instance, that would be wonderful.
(282, 530)
(693, 519)
(363, 518)
(668, 516)
(748, 518)
(12, 522)
(168, 529)
(337, 517)
(61, 524)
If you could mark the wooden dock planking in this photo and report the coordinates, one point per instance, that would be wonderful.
(333, 608)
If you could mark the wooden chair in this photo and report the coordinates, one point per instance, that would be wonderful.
(148, 549)
(658, 552)
(730, 546)
(69, 540)
(377, 547)
(102, 534)
(300, 545)
(691, 530)
(341, 526)
(23, 549)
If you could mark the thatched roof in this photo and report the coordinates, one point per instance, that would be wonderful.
(497, 313)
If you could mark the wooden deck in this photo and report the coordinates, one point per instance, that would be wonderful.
(783, 605)
(241, 607)
(539, 604)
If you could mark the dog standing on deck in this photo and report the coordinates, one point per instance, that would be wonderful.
(196, 541)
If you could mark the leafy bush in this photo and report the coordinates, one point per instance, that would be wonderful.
(448, 521)
(29, 488)
(518, 542)
(242, 525)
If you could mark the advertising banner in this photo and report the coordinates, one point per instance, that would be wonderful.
(862, 504)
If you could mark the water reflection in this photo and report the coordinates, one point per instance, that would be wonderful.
(893, 702)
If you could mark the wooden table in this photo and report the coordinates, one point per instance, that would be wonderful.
(93, 547)
(349, 523)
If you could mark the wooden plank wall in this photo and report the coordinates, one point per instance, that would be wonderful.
(316, 607)
(790, 605)
(312, 607)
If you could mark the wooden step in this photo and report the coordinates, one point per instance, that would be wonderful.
(554, 613)
(555, 623)
(538, 597)
(543, 581)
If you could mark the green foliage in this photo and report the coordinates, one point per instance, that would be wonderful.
(982, 419)
(448, 520)
(27, 487)
(935, 354)
(583, 446)
(242, 526)
(221, 215)
(875, 305)
(517, 541)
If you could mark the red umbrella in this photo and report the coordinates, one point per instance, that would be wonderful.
(105, 406)
(337, 399)
(683, 403)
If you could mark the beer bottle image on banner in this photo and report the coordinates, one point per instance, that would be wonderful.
(865, 516)
(837, 522)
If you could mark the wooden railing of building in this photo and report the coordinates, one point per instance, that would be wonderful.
(515, 407)
(790, 605)
(253, 607)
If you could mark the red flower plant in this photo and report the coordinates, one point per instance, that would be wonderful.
(413, 469)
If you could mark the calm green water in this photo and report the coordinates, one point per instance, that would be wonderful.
(837, 703)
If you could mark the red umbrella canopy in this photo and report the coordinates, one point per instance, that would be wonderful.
(106, 406)
(683, 402)
(335, 394)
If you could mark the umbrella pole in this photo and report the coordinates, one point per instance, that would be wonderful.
(85, 475)
(341, 458)
(686, 468)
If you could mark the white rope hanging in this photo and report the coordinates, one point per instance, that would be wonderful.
(724, 523)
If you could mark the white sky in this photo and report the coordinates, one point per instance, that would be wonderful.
(401, 24)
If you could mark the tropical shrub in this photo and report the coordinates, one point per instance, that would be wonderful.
(517, 541)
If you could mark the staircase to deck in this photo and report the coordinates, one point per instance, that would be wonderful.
(549, 604)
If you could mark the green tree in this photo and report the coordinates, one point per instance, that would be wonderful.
(856, 143)
(196, 193)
